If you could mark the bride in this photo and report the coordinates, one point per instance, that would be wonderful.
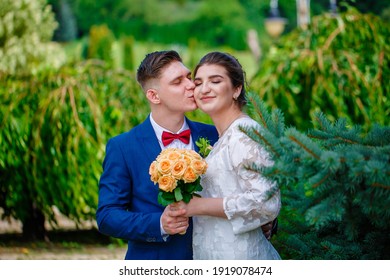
(234, 203)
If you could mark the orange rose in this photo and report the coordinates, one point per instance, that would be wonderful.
(167, 183)
(178, 169)
(173, 155)
(161, 157)
(187, 158)
(199, 166)
(164, 166)
(173, 166)
(189, 175)
(153, 172)
(194, 154)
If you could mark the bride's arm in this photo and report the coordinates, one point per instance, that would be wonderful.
(213, 207)
(199, 206)
(259, 201)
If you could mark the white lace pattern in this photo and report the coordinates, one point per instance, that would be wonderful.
(245, 200)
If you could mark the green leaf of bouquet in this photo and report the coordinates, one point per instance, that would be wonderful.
(178, 195)
(161, 200)
(190, 187)
(198, 188)
(187, 197)
(168, 196)
(165, 198)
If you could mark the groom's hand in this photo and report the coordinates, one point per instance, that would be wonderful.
(270, 228)
(174, 221)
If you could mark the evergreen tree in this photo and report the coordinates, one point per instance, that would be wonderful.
(335, 184)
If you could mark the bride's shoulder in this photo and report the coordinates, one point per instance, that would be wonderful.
(245, 123)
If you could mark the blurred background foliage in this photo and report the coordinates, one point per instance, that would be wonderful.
(339, 65)
(67, 83)
(25, 47)
(54, 127)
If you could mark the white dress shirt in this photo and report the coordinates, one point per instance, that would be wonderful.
(174, 144)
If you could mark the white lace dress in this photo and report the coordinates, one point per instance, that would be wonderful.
(240, 236)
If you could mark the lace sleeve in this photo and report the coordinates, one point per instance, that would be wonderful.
(251, 206)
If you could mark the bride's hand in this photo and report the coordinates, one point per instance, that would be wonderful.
(189, 208)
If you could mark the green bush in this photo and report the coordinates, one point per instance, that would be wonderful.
(53, 131)
(221, 25)
(128, 53)
(100, 45)
(340, 66)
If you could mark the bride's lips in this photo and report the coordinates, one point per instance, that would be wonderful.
(207, 98)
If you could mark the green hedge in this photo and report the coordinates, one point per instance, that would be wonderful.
(53, 132)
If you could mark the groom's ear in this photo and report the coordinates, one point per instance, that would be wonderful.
(152, 96)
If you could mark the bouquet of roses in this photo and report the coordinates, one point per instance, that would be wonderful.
(177, 173)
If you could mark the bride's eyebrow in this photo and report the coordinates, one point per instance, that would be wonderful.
(215, 76)
(210, 77)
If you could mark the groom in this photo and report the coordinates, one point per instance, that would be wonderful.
(128, 207)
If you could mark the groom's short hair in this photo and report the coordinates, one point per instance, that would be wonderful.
(153, 63)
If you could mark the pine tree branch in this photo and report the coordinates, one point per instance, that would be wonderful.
(322, 121)
(258, 107)
(292, 138)
(321, 181)
(379, 185)
(269, 174)
(342, 139)
(267, 143)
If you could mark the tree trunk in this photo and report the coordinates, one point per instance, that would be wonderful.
(34, 225)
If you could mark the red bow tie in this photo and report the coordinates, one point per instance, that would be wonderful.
(183, 136)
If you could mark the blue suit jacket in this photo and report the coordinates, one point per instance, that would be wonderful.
(128, 207)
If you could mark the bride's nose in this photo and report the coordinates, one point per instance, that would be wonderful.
(204, 88)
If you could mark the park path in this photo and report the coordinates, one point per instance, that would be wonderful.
(84, 253)
(67, 250)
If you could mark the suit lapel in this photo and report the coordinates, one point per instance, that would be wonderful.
(196, 132)
(148, 140)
